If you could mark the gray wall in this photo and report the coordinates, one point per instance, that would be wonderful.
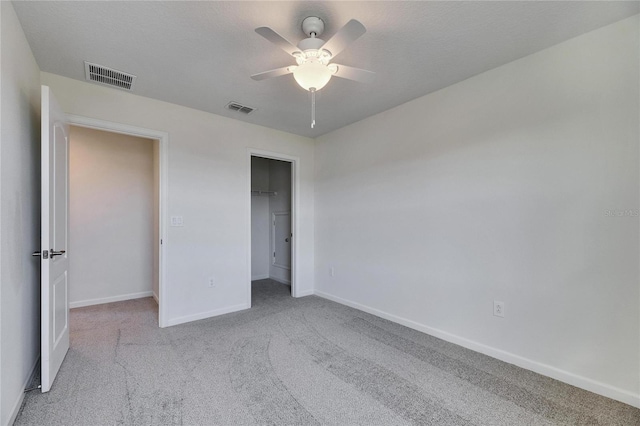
(506, 186)
(19, 213)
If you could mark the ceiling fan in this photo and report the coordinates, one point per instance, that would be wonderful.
(313, 55)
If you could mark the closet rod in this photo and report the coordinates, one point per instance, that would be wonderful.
(258, 192)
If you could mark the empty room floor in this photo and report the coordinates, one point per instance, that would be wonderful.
(289, 361)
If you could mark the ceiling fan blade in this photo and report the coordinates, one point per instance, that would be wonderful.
(273, 73)
(277, 39)
(351, 31)
(355, 74)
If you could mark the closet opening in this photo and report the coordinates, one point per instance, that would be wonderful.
(272, 236)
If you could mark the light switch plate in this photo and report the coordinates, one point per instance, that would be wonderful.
(176, 221)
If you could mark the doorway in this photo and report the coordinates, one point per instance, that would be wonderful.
(128, 213)
(272, 225)
(113, 217)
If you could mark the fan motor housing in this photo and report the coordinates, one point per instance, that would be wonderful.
(310, 43)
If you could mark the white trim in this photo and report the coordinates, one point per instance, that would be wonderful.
(155, 297)
(286, 268)
(306, 293)
(18, 404)
(281, 281)
(163, 139)
(111, 299)
(295, 221)
(208, 314)
(260, 277)
(529, 364)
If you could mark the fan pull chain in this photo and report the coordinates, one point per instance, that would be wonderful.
(313, 107)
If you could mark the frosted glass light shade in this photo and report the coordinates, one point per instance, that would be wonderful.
(312, 75)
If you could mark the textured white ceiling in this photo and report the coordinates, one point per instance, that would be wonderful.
(201, 54)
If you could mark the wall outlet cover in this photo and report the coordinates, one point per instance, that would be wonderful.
(498, 308)
(177, 221)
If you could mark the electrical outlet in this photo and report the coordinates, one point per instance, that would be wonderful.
(332, 271)
(212, 282)
(498, 308)
(177, 221)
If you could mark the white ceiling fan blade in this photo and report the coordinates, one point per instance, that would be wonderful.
(273, 73)
(351, 31)
(355, 74)
(277, 39)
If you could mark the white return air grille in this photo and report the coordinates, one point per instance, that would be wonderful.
(234, 106)
(108, 76)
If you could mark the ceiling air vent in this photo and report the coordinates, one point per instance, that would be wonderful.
(109, 76)
(234, 106)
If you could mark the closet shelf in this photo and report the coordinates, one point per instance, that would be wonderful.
(268, 193)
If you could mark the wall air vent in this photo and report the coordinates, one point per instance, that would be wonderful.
(234, 106)
(108, 76)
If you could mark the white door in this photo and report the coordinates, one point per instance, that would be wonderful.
(54, 257)
(281, 237)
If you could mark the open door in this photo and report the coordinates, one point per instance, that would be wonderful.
(54, 237)
(281, 237)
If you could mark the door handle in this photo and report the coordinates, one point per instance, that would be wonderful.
(53, 253)
(44, 253)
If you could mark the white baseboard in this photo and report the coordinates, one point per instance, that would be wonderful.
(155, 297)
(304, 293)
(208, 314)
(281, 280)
(15, 410)
(529, 364)
(260, 277)
(100, 301)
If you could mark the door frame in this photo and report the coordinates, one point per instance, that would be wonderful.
(295, 208)
(163, 141)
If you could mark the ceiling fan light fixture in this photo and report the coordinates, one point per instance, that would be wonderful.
(313, 54)
(312, 74)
